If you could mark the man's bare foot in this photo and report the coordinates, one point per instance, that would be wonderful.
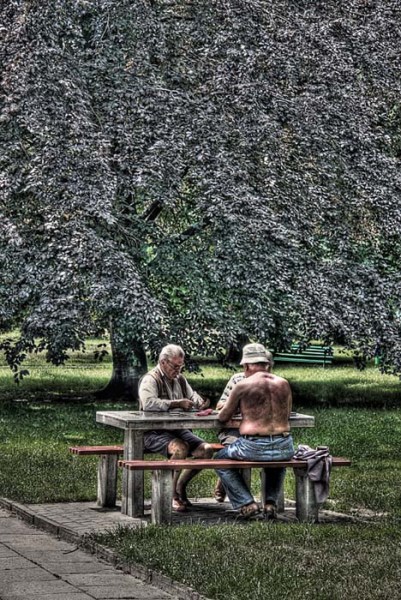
(179, 505)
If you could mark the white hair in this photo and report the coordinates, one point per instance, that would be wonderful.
(171, 351)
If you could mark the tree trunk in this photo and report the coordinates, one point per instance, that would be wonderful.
(234, 352)
(128, 368)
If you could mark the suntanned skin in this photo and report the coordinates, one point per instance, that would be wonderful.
(264, 400)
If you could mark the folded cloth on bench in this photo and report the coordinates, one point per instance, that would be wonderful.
(318, 470)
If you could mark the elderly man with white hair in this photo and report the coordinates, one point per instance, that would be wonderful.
(162, 389)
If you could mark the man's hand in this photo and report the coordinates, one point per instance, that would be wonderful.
(204, 404)
(220, 404)
(185, 404)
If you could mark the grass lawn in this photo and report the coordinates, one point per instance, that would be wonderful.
(256, 560)
(270, 560)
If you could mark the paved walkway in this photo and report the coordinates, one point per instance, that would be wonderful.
(36, 565)
(40, 558)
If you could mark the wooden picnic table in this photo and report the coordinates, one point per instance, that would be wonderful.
(134, 424)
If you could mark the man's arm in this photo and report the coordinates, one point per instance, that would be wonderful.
(197, 401)
(149, 400)
(289, 400)
(234, 379)
(231, 407)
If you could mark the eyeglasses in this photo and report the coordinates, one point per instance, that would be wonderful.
(174, 366)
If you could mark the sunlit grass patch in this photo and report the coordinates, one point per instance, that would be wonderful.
(275, 561)
(45, 382)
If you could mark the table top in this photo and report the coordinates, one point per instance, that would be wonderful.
(178, 419)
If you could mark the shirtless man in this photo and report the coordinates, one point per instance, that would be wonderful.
(265, 402)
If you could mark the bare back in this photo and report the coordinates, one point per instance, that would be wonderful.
(265, 402)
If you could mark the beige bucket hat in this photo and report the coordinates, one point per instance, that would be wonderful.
(256, 353)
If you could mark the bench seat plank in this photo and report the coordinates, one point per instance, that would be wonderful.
(96, 450)
(201, 463)
(306, 506)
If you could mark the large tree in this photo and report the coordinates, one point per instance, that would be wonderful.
(200, 172)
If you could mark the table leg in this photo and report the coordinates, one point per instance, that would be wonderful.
(133, 481)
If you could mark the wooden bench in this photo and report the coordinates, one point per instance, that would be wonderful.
(107, 469)
(307, 509)
(314, 354)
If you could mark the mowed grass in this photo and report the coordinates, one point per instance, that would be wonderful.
(272, 561)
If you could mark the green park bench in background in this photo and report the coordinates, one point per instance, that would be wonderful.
(313, 354)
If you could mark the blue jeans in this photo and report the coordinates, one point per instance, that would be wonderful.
(255, 448)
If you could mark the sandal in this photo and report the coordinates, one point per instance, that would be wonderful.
(219, 492)
(184, 498)
(179, 505)
(269, 511)
(250, 510)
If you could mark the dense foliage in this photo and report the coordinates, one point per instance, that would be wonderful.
(201, 171)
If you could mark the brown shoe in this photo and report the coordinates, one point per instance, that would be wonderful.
(269, 511)
(219, 492)
(185, 500)
(181, 494)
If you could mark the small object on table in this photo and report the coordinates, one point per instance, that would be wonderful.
(206, 412)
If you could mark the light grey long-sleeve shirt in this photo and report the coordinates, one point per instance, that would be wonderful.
(148, 393)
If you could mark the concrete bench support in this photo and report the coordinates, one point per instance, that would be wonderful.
(162, 496)
(107, 480)
(306, 507)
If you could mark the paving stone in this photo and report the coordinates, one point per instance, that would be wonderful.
(34, 542)
(86, 580)
(73, 595)
(54, 586)
(14, 562)
(126, 592)
(35, 574)
(76, 567)
(6, 552)
(14, 526)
